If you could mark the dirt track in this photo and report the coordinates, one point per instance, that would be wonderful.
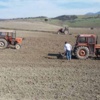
(31, 74)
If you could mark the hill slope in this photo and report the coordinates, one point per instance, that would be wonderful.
(88, 20)
(90, 13)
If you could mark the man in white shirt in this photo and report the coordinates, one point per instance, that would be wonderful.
(68, 49)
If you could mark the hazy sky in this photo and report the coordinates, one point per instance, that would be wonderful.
(49, 8)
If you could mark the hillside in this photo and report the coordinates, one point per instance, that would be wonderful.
(66, 17)
(90, 13)
(35, 26)
(79, 21)
(87, 20)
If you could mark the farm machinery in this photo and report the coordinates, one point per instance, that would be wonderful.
(63, 31)
(8, 39)
(87, 45)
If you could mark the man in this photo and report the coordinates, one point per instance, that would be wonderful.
(68, 49)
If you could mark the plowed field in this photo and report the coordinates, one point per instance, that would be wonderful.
(32, 74)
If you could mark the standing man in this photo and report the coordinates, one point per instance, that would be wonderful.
(68, 49)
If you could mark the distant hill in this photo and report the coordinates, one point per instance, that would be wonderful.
(40, 17)
(66, 17)
(98, 13)
(90, 13)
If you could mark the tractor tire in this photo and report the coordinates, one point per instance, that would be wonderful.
(17, 46)
(82, 53)
(3, 44)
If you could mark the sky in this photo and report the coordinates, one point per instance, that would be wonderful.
(48, 8)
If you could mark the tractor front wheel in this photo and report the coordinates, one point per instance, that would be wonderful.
(17, 46)
(3, 43)
(82, 53)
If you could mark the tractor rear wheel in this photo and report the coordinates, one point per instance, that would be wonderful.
(82, 53)
(3, 43)
(17, 46)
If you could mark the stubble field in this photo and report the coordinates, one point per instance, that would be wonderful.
(31, 74)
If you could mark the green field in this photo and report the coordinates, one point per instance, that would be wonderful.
(79, 22)
(93, 22)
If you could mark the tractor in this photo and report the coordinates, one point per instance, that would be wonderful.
(8, 39)
(63, 31)
(87, 45)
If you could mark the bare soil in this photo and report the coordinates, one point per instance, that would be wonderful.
(34, 72)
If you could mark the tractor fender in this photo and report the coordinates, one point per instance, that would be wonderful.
(19, 40)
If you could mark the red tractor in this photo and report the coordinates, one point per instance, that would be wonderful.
(87, 45)
(8, 38)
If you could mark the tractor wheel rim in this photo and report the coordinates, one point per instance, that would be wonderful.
(1, 44)
(17, 47)
(82, 53)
